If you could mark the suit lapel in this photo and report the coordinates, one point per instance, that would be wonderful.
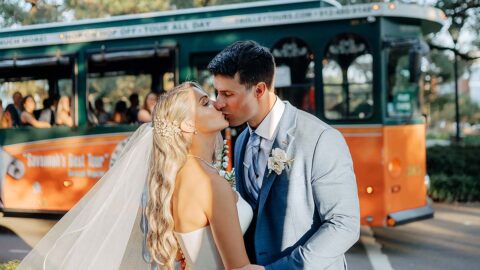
(239, 170)
(284, 140)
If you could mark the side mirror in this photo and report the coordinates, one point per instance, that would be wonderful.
(414, 65)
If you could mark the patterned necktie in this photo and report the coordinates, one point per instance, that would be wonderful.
(251, 158)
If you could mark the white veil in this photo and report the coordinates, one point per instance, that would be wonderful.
(104, 230)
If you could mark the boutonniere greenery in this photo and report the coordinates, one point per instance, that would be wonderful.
(278, 161)
(222, 165)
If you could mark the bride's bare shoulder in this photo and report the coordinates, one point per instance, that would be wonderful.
(204, 184)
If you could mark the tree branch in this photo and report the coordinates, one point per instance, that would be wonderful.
(464, 56)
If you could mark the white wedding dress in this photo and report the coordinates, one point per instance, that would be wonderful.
(106, 229)
(199, 246)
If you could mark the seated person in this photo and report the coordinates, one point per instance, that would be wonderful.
(27, 118)
(132, 111)
(120, 113)
(100, 113)
(92, 118)
(62, 116)
(6, 120)
(5, 117)
(145, 114)
(47, 114)
(15, 110)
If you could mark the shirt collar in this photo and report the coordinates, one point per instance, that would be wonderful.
(267, 127)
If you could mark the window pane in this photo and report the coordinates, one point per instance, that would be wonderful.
(168, 81)
(65, 109)
(403, 95)
(334, 102)
(332, 90)
(205, 79)
(347, 78)
(332, 73)
(360, 71)
(361, 93)
(295, 73)
(38, 90)
(110, 97)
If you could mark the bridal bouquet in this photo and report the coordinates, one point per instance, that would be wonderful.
(222, 165)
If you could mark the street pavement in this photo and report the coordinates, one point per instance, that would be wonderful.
(451, 240)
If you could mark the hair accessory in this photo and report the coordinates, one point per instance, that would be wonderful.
(167, 129)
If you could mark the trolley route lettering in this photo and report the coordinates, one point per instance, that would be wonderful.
(46, 161)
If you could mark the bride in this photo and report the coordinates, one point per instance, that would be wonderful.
(162, 197)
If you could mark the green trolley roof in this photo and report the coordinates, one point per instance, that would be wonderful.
(225, 17)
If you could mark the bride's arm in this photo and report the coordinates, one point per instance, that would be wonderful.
(221, 211)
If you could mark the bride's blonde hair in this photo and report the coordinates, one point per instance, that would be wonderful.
(168, 157)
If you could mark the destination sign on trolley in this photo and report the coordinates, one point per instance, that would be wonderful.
(220, 23)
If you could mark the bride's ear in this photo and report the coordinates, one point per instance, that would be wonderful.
(188, 126)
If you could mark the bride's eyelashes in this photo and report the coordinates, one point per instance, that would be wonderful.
(207, 103)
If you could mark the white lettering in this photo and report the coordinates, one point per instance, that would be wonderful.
(95, 174)
(75, 161)
(76, 173)
(46, 161)
(95, 161)
(219, 23)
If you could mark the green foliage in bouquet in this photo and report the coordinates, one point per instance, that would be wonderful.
(11, 265)
(222, 165)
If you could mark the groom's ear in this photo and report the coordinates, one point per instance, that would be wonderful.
(260, 89)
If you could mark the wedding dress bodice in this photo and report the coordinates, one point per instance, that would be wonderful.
(199, 246)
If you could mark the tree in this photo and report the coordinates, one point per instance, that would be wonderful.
(11, 13)
(463, 17)
(84, 9)
(102, 8)
(26, 12)
(460, 15)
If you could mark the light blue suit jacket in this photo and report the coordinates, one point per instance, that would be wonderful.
(308, 216)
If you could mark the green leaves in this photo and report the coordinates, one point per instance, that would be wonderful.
(454, 173)
(26, 12)
(454, 188)
(11, 265)
(11, 13)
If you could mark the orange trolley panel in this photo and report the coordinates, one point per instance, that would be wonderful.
(389, 164)
(366, 144)
(53, 175)
(405, 170)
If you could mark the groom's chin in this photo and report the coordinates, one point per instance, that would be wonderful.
(232, 122)
(234, 125)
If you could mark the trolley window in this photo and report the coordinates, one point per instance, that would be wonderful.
(348, 78)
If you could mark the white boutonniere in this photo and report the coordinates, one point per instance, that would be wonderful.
(278, 161)
(222, 166)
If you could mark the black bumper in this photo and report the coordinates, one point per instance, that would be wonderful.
(412, 215)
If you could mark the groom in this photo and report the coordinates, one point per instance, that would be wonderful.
(304, 196)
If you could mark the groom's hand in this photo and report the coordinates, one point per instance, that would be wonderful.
(251, 267)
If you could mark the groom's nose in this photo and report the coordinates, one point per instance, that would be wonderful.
(219, 103)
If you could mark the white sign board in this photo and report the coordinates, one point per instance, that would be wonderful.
(283, 76)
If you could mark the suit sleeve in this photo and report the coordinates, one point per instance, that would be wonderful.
(335, 194)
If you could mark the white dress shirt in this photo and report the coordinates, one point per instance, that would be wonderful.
(267, 131)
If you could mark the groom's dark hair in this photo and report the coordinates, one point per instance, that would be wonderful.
(254, 63)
